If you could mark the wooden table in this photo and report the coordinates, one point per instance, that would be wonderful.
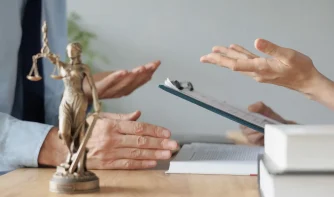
(146, 183)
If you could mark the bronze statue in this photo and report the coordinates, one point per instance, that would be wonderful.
(71, 176)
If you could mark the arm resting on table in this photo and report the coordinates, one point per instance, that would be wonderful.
(21, 142)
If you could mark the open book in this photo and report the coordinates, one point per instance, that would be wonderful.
(206, 158)
(252, 120)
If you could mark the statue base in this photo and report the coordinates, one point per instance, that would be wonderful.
(65, 183)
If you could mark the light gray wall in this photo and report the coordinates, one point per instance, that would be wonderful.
(179, 32)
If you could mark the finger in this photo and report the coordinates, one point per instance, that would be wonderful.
(272, 49)
(135, 141)
(130, 164)
(242, 50)
(142, 129)
(244, 65)
(109, 78)
(144, 74)
(242, 127)
(256, 107)
(256, 138)
(131, 116)
(263, 109)
(109, 81)
(130, 82)
(246, 130)
(249, 74)
(229, 52)
(142, 154)
(249, 131)
(290, 122)
(141, 76)
(101, 75)
(113, 91)
(153, 66)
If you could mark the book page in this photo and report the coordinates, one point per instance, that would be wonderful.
(218, 152)
(205, 158)
(226, 152)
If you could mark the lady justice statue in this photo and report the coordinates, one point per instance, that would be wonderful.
(71, 176)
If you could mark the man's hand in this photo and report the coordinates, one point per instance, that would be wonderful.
(126, 144)
(255, 137)
(117, 142)
(286, 67)
(120, 83)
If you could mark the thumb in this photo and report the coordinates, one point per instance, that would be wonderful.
(272, 49)
(109, 79)
(257, 107)
(130, 116)
(261, 108)
(133, 116)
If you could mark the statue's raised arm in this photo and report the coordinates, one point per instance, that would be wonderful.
(45, 52)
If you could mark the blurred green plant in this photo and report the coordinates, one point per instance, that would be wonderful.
(76, 33)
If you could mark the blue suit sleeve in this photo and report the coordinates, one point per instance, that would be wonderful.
(20, 142)
(89, 108)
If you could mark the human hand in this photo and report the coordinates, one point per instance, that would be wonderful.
(120, 142)
(286, 67)
(120, 83)
(117, 142)
(255, 137)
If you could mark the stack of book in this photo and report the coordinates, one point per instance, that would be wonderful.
(298, 160)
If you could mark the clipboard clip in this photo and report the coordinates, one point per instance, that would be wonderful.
(181, 86)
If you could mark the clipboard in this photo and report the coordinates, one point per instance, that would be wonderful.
(251, 120)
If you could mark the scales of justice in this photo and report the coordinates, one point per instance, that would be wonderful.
(71, 176)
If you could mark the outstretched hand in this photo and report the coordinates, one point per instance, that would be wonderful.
(286, 67)
(121, 83)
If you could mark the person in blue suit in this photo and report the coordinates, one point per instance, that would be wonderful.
(29, 110)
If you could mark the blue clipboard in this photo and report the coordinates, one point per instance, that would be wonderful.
(231, 116)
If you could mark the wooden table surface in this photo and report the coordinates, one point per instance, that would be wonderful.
(125, 183)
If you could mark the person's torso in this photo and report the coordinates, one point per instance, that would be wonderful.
(11, 12)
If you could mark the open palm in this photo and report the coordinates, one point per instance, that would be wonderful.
(286, 67)
(116, 84)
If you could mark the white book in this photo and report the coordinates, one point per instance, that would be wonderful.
(206, 158)
(273, 182)
(300, 147)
